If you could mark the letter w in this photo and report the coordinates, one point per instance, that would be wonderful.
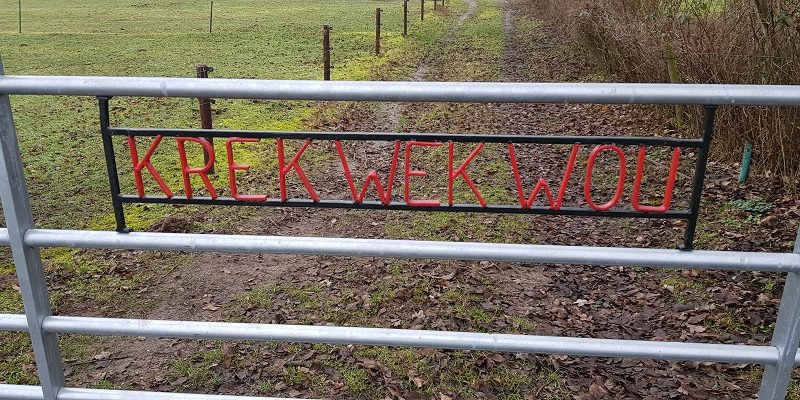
(385, 196)
(541, 185)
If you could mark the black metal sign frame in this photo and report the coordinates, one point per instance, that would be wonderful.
(690, 215)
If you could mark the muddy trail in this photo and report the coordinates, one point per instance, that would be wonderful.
(623, 302)
(579, 301)
(391, 112)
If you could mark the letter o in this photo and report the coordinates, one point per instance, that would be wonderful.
(587, 193)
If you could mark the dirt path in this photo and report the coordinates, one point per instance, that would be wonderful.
(205, 286)
(628, 304)
(612, 302)
(392, 112)
(625, 303)
(243, 271)
(508, 48)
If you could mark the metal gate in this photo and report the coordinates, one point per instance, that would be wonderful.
(778, 358)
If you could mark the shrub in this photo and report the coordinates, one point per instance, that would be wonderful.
(703, 41)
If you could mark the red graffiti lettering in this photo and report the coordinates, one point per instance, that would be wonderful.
(671, 175)
(385, 195)
(233, 167)
(284, 169)
(541, 185)
(145, 163)
(410, 173)
(202, 171)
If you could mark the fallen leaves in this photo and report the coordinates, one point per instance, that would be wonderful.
(414, 377)
(597, 391)
(613, 302)
(696, 328)
(228, 354)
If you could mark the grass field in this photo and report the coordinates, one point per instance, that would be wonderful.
(278, 39)
(260, 39)
(251, 39)
(59, 136)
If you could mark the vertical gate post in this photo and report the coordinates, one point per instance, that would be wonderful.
(205, 112)
(111, 165)
(699, 178)
(377, 31)
(32, 283)
(775, 382)
(326, 52)
(405, 17)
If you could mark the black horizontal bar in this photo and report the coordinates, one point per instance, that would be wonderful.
(399, 206)
(433, 137)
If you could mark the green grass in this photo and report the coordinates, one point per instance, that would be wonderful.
(10, 300)
(62, 151)
(16, 359)
(794, 390)
(197, 369)
(685, 290)
(252, 39)
(104, 384)
(355, 378)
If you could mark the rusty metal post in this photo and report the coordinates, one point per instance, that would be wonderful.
(378, 31)
(211, 17)
(326, 52)
(205, 111)
(405, 17)
(422, 10)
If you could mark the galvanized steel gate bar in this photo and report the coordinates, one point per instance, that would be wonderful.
(779, 358)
